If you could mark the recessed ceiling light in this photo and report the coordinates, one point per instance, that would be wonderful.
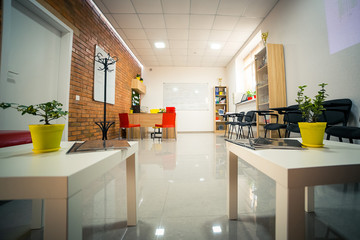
(215, 46)
(160, 45)
(160, 232)
(216, 229)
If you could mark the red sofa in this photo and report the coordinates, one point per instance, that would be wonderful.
(14, 137)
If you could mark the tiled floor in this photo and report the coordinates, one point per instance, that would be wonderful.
(182, 195)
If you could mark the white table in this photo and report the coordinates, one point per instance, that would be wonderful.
(295, 173)
(59, 179)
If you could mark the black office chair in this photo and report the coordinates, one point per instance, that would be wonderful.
(249, 121)
(337, 112)
(341, 132)
(292, 118)
(229, 119)
(238, 120)
(272, 126)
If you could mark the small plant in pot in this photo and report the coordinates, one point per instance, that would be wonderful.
(312, 131)
(45, 137)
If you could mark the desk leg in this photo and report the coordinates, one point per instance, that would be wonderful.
(309, 199)
(37, 214)
(55, 219)
(63, 218)
(232, 186)
(131, 177)
(290, 215)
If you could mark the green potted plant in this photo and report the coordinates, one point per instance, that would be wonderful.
(46, 137)
(249, 95)
(312, 131)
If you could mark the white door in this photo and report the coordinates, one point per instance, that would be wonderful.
(31, 70)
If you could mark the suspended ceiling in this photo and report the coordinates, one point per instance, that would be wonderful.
(187, 27)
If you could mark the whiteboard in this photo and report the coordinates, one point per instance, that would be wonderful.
(99, 80)
(186, 96)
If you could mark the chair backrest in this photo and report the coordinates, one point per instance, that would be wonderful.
(240, 116)
(249, 116)
(170, 109)
(168, 119)
(337, 111)
(124, 120)
(293, 117)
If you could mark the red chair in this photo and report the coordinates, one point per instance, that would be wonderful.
(124, 123)
(168, 121)
(170, 109)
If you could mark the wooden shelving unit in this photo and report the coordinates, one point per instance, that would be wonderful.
(138, 86)
(221, 104)
(270, 82)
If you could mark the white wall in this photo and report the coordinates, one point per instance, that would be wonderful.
(187, 121)
(301, 27)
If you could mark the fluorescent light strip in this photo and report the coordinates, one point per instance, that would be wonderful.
(115, 32)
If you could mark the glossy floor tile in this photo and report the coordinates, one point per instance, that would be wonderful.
(182, 195)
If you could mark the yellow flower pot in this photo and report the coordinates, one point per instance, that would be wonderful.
(46, 138)
(312, 134)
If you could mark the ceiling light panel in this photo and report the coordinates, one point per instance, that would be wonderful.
(159, 45)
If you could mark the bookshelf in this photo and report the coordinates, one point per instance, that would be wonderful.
(221, 106)
(270, 82)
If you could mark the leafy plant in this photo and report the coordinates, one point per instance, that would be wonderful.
(311, 109)
(47, 111)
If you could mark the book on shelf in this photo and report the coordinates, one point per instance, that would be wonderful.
(217, 100)
(216, 91)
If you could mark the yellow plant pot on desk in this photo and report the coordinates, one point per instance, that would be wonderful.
(46, 138)
(312, 133)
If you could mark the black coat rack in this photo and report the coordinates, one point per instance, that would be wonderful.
(106, 62)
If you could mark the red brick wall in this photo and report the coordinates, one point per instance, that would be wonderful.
(90, 30)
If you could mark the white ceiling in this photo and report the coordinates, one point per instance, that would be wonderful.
(187, 27)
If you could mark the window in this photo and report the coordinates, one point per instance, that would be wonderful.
(249, 68)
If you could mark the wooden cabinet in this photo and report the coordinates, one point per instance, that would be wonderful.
(221, 106)
(270, 82)
(138, 86)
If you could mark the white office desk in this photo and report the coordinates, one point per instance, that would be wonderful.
(295, 173)
(59, 178)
